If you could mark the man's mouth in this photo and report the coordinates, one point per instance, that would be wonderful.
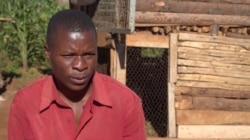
(79, 80)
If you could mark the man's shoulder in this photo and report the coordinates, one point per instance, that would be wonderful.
(33, 89)
(38, 83)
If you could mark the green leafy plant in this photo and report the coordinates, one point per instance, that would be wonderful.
(23, 38)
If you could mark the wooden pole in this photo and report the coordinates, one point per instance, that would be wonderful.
(172, 79)
(190, 19)
(195, 7)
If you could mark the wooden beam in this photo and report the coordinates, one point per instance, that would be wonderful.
(173, 58)
(120, 48)
(192, 7)
(172, 79)
(202, 57)
(212, 117)
(212, 85)
(113, 59)
(214, 79)
(190, 19)
(214, 52)
(214, 46)
(212, 71)
(212, 92)
(172, 132)
(244, 43)
(147, 40)
(213, 64)
(214, 131)
(211, 103)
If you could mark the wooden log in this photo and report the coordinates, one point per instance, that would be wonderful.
(155, 29)
(193, 7)
(212, 85)
(214, 46)
(172, 79)
(213, 71)
(212, 117)
(213, 64)
(194, 56)
(215, 39)
(214, 52)
(211, 103)
(217, 132)
(167, 29)
(212, 92)
(162, 32)
(214, 79)
(147, 40)
(205, 29)
(190, 19)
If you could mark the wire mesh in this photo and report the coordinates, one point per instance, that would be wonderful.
(147, 71)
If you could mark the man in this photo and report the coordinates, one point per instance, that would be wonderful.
(76, 102)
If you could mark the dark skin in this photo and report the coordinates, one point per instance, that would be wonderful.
(73, 58)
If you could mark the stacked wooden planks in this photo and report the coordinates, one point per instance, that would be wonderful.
(212, 83)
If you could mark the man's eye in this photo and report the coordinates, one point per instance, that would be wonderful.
(88, 55)
(68, 55)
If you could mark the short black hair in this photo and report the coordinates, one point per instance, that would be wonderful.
(71, 20)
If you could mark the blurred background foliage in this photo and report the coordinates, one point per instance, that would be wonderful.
(22, 33)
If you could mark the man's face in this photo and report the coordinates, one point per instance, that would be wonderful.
(73, 58)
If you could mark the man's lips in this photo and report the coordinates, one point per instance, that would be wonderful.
(79, 80)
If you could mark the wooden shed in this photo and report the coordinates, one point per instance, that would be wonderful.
(189, 61)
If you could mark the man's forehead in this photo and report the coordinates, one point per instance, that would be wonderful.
(76, 35)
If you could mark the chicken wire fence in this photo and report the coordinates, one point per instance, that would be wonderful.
(146, 74)
(147, 70)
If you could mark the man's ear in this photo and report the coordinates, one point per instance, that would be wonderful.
(46, 51)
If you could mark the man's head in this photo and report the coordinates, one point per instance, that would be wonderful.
(72, 50)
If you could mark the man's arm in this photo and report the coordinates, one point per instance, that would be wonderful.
(17, 122)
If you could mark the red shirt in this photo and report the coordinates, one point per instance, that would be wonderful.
(113, 112)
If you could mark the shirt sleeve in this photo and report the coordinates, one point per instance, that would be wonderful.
(135, 123)
(17, 122)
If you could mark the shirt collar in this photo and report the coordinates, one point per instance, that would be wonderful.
(100, 92)
(50, 94)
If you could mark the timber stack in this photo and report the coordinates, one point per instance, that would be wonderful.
(225, 17)
(209, 63)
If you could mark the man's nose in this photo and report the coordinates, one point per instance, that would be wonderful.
(79, 63)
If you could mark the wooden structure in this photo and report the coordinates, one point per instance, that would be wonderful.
(209, 62)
